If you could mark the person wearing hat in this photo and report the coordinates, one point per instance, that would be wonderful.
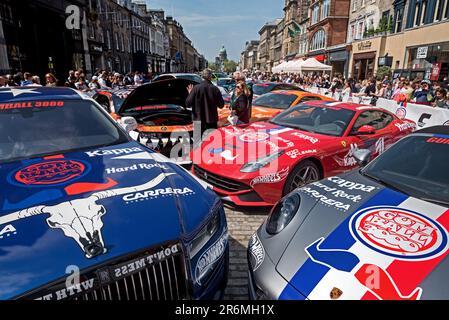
(93, 85)
(424, 94)
(204, 99)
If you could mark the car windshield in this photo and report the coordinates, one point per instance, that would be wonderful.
(39, 128)
(262, 88)
(118, 101)
(275, 100)
(324, 120)
(220, 75)
(417, 166)
(191, 77)
(225, 82)
(222, 90)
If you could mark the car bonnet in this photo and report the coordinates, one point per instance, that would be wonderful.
(123, 197)
(365, 241)
(173, 91)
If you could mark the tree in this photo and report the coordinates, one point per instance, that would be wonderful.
(230, 66)
(213, 66)
(382, 72)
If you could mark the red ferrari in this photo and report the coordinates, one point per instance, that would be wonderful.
(257, 164)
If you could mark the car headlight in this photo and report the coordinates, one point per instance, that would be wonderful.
(204, 235)
(283, 213)
(253, 166)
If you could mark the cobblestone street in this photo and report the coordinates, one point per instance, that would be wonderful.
(242, 223)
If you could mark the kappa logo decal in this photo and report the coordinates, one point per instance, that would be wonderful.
(50, 172)
(400, 233)
(81, 219)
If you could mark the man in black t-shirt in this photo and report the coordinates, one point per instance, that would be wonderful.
(371, 88)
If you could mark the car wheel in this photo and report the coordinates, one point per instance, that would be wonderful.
(305, 172)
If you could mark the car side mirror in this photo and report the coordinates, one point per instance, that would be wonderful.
(128, 123)
(362, 156)
(366, 129)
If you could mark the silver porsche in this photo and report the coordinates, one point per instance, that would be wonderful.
(376, 233)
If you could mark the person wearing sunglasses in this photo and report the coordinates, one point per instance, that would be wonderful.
(240, 103)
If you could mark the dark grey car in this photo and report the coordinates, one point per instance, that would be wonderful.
(380, 232)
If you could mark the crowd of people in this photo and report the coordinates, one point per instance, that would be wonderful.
(401, 89)
(77, 79)
(420, 91)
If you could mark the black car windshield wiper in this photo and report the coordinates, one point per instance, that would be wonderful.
(384, 183)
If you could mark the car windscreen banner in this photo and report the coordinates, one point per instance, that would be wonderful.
(422, 115)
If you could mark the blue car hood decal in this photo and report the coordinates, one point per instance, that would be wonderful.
(84, 208)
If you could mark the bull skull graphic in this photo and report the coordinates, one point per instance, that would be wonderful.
(80, 219)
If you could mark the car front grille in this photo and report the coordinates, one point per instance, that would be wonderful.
(158, 282)
(219, 181)
(165, 279)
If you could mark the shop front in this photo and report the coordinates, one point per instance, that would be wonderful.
(427, 61)
(96, 56)
(339, 60)
(365, 57)
(363, 67)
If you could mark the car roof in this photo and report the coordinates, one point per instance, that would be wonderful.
(435, 130)
(31, 93)
(273, 83)
(344, 105)
(177, 74)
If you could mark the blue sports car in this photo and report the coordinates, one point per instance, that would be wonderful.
(88, 213)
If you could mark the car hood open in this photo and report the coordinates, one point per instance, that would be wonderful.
(166, 92)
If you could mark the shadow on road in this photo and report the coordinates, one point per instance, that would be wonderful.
(247, 210)
(237, 288)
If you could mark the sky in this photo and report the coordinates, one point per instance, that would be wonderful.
(213, 23)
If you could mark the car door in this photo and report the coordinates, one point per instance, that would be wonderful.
(382, 138)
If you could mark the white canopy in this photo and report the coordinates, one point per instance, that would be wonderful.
(286, 66)
(295, 66)
(279, 67)
(313, 64)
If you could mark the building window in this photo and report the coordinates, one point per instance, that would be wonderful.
(318, 40)
(416, 16)
(362, 3)
(315, 12)
(91, 31)
(446, 10)
(325, 8)
(108, 35)
(116, 42)
(354, 5)
(441, 10)
(399, 17)
(423, 12)
(360, 30)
